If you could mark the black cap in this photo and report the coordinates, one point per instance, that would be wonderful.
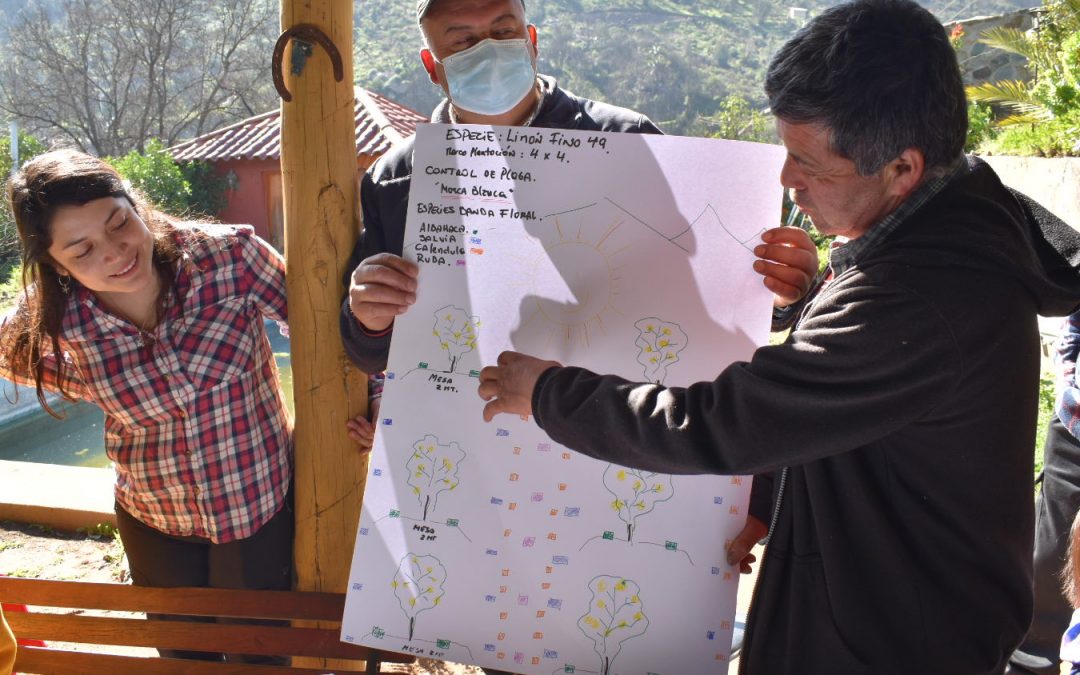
(422, 7)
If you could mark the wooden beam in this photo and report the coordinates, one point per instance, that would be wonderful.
(320, 195)
(190, 635)
(190, 601)
(40, 660)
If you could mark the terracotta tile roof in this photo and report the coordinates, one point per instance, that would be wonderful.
(380, 124)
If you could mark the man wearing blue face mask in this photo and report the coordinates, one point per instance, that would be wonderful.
(482, 53)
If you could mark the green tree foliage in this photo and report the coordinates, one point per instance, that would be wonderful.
(207, 188)
(739, 121)
(10, 283)
(9, 237)
(981, 127)
(157, 176)
(1043, 115)
(191, 189)
(29, 147)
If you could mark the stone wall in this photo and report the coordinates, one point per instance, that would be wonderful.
(981, 63)
(1054, 183)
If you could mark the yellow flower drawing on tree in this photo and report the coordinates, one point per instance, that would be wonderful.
(456, 332)
(418, 585)
(636, 493)
(615, 615)
(660, 343)
(433, 469)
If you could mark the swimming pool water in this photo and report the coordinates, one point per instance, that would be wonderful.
(78, 439)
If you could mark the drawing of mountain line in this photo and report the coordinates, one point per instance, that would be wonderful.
(706, 212)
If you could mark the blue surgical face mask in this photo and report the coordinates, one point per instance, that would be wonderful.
(491, 77)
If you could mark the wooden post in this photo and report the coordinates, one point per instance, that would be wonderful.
(318, 168)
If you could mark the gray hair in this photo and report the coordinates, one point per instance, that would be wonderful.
(880, 76)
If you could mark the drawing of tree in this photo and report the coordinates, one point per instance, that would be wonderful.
(615, 615)
(418, 585)
(636, 493)
(433, 469)
(660, 343)
(456, 332)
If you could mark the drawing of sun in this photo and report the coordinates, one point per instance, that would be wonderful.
(573, 284)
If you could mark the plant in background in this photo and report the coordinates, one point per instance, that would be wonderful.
(156, 175)
(10, 283)
(207, 197)
(738, 121)
(981, 127)
(956, 36)
(1043, 114)
(9, 245)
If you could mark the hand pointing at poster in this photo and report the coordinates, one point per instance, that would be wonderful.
(511, 383)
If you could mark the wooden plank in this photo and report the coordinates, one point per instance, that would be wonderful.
(212, 637)
(194, 601)
(56, 662)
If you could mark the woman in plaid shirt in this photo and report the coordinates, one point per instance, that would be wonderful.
(161, 324)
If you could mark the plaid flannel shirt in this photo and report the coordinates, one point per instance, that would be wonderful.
(195, 419)
(1068, 390)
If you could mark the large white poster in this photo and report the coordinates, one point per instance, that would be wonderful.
(489, 543)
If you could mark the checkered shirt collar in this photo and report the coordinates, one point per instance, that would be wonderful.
(845, 255)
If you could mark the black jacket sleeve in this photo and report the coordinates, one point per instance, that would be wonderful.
(761, 497)
(866, 365)
(368, 351)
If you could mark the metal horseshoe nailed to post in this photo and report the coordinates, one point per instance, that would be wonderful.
(318, 168)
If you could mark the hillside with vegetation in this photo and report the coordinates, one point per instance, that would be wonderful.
(685, 63)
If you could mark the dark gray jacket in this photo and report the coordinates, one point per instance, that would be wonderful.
(904, 403)
(384, 198)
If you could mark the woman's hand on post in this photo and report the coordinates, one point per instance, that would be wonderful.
(362, 430)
